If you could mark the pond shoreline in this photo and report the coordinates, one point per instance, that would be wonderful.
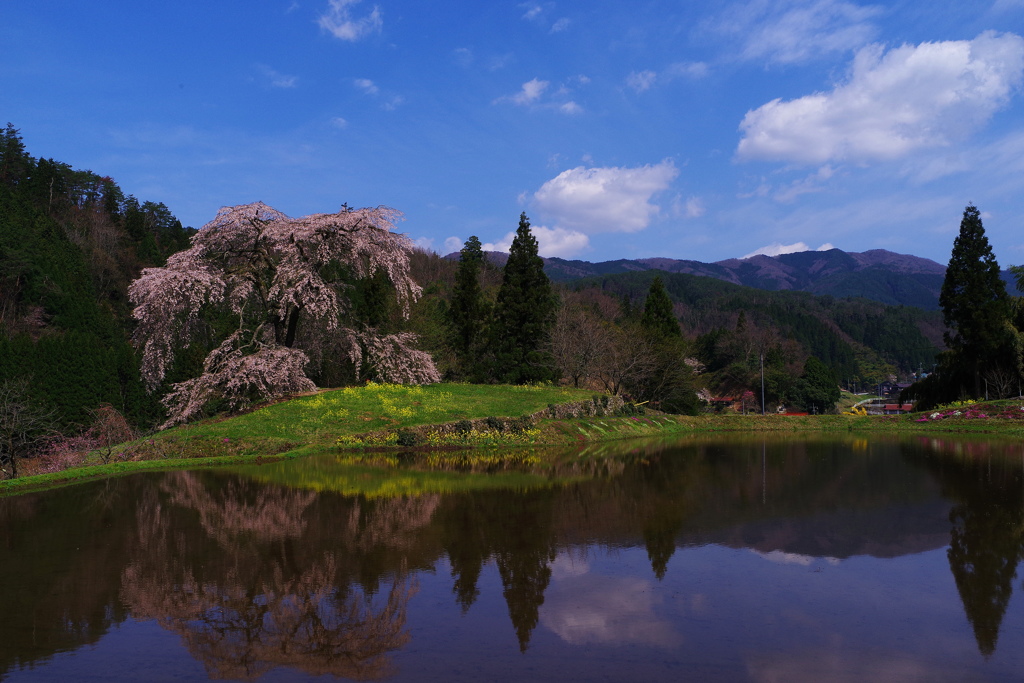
(548, 432)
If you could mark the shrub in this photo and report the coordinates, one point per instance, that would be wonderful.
(463, 427)
(495, 424)
(408, 438)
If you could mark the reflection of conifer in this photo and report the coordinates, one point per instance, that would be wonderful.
(986, 538)
(524, 577)
(983, 555)
(525, 549)
(660, 539)
(467, 547)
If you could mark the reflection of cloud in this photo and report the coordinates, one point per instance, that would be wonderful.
(603, 609)
(845, 667)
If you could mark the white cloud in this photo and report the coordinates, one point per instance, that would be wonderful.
(530, 92)
(895, 102)
(645, 80)
(559, 241)
(570, 107)
(339, 122)
(276, 79)
(533, 11)
(641, 80)
(453, 244)
(550, 242)
(609, 199)
(425, 243)
(388, 102)
(367, 86)
(339, 22)
(796, 31)
(504, 244)
(778, 249)
(561, 25)
(694, 208)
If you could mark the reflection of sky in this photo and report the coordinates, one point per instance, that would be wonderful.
(838, 666)
(780, 557)
(582, 608)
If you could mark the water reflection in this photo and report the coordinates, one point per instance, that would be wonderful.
(253, 602)
(254, 575)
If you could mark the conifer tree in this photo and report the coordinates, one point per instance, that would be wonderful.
(658, 317)
(523, 314)
(467, 313)
(974, 305)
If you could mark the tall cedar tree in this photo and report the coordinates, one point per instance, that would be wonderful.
(658, 317)
(467, 312)
(524, 313)
(975, 306)
(818, 388)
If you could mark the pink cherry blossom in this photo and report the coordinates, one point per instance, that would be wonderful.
(278, 276)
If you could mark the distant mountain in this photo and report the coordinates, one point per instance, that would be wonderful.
(879, 275)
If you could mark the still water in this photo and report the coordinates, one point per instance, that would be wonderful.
(732, 560)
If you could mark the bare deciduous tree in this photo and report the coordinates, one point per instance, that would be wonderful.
(577, 342)
(23, 425)
(276, 275)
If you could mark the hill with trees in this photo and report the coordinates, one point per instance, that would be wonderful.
(71, 241)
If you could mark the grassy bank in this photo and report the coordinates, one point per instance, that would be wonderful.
(445, 417)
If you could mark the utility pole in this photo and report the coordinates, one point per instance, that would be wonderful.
(762, 382)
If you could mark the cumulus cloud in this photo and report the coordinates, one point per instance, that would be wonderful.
(339, 122)
(778, 249)
(797, 31)
(453, 244)
(340, 23)
(608, 199)
(556, 241)
(893, 103)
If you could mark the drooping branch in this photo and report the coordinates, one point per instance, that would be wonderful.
(278, 276)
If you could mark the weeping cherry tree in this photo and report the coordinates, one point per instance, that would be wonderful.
(286, 285)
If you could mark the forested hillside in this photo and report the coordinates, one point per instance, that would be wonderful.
(835, 330)
(71, 242)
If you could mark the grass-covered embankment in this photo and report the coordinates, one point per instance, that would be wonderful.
(444, 417)
(308, 424)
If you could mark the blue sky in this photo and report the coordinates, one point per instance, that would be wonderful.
(681, 129)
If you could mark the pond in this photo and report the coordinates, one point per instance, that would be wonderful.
(733, 559)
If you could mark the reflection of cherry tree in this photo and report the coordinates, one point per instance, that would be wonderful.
(253, 600)
(241, 631)
(237, 512)
(390, 520)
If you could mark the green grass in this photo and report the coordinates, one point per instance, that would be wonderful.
(316, 424)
